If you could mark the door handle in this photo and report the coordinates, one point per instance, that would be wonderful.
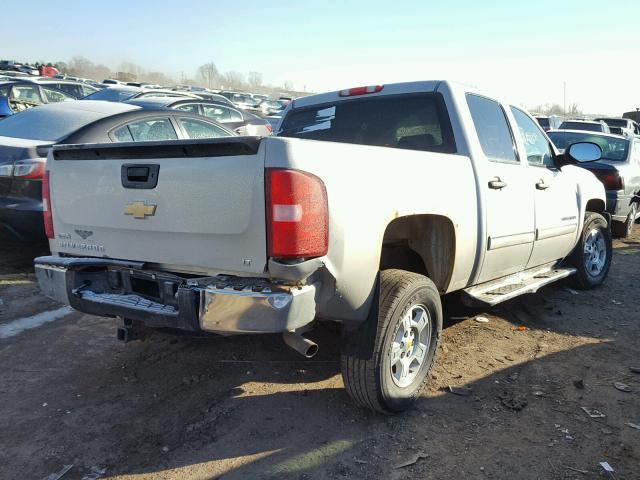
(541, 185)
(497, 184)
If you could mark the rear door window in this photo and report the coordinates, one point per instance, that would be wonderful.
(198, 129)
(189, 107)
(492, 128)
(87, 90)
(26, 93)
(52, 95)
(69, 88)
(411, 121)
(152, 129)
(221, 114)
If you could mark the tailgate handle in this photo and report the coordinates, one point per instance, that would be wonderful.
(140, 175)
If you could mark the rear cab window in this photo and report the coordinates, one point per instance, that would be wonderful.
(409, 121)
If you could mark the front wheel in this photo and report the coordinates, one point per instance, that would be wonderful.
(403, 332)
(625, 229)
(592, 255)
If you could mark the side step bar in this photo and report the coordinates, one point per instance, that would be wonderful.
(503, 289)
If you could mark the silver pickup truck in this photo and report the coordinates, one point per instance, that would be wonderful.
(369, 205)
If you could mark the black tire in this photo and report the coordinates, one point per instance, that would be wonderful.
(586, 277)
(365, 357)
(625, 229)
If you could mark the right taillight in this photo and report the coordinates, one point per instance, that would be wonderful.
(46, 206)
(297, 214)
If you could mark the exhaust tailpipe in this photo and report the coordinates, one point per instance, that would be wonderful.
(302, 345)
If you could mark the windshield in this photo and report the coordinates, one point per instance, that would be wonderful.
(614, 149)
(615, 122)
(591, 127)
(41, 123)
(413, 121)
(112, 95)
(543, 121)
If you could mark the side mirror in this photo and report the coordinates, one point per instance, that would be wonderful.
(584, 152)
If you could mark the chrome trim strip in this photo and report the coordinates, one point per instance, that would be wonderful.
(510, 240)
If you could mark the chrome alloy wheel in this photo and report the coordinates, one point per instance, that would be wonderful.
(410, 345)
(595, 252)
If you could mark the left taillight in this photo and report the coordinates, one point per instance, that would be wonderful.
(611, 180)
(46, 206)
(29, 169)
(297, 214)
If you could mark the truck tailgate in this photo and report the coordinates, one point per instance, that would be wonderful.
(206, 212)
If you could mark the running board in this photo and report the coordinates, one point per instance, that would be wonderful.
(506, 288)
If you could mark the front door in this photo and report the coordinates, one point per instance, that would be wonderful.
(508, 195)
(556, 196)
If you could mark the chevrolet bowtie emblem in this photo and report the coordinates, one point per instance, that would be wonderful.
(140, 210)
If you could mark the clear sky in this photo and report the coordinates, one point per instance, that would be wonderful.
(522, 49)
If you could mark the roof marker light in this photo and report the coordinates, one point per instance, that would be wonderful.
(352, 92)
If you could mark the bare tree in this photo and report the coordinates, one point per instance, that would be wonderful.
(574, 110)
(80, 66)
(556, 109)
(288, 85)
(209, 74)
(255, 79)
(234, 80)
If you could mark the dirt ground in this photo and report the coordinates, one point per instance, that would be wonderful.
(249, 408)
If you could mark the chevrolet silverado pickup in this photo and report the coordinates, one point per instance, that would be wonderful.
(369, 205)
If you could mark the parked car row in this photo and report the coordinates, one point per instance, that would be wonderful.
(26, 138)
(71, 111)
(17, 94)
(619, 167)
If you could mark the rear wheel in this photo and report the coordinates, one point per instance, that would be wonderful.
(592, 255)
(625, 229)
(386, 361)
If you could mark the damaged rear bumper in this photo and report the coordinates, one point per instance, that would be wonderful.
(221, 304)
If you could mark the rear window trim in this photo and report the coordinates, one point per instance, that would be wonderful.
(188, 148)
(441, 106)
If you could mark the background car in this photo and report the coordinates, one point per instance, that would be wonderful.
(550, 122)
(13, 73)
(121, 93)
(25, 140)
(243, 123)
(75, 88)
(626, 125)
(272, 107)
(215, 97)
(242, 100)
(618, 170)
(588, 125)
(21, 95)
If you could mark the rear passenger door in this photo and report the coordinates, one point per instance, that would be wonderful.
(555, 193)
(507, 192)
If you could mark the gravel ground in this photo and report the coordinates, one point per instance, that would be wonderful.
(176, 407)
